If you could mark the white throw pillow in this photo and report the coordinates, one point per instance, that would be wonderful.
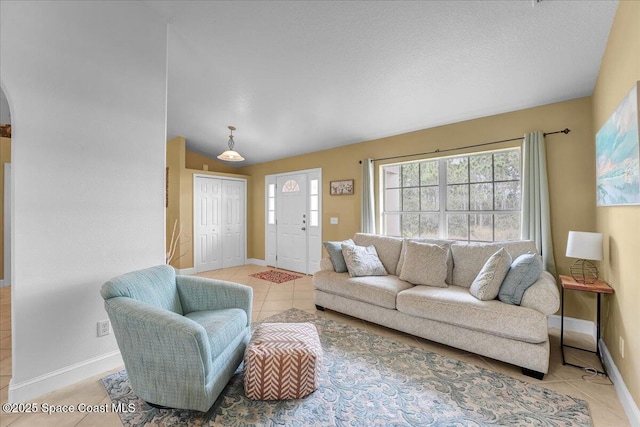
(425, 264)
(487, 283)
(362, 261)
(445, 244)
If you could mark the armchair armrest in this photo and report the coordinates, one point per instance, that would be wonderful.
(174, 346)
(199, 293)
(543, 295)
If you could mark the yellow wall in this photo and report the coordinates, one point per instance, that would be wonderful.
(175, 162)
(5, 157)
(570, 164)
(620, 225)
(181, 196)
(196, 161)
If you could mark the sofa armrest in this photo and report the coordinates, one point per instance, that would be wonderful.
(157, 344)
(326, 265)
(543, 295)
(199, 294)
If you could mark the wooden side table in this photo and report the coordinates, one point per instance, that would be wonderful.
(599, 287)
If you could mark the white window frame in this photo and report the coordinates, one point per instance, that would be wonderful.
(442, 196)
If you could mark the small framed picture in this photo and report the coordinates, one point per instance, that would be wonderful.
(341, 188)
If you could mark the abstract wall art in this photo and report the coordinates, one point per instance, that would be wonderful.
(617, 155)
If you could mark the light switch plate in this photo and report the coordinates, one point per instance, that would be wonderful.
(334, 220)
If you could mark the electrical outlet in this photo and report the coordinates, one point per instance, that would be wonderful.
(621, 343)
(104, 328)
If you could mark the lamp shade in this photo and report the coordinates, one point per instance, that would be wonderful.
(584, 245)
(231, 156)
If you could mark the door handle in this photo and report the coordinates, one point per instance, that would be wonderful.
(304, 228)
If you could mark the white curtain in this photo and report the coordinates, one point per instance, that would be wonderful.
(536, 220)
(368, 219)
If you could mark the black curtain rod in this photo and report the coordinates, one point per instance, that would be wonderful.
(565, 131)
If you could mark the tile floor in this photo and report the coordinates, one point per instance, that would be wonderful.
(270, 298)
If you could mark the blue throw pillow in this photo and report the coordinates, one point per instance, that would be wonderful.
(523, 273)
(335, 254)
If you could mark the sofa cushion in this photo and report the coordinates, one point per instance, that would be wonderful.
(456, 306)
(362, 261)
(326, 264)
(469, 258)
(222, 326)
(439, 242)
(388, 248)
(523, 273)
(425, 264)
(376, 290)
(487, 283)
(334, 249)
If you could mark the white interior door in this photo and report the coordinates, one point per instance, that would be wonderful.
(233, 241)
(207, 224)
(291, 221)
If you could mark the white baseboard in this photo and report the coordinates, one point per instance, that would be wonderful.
(192, 270)
(629, 405)
(51, 381)
(575, 325)
(589, 328)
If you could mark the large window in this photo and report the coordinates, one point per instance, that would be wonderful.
(473, 197)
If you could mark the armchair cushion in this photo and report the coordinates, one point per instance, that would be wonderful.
(201, 294)
(221, 326)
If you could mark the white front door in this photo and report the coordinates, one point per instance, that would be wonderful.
(233, 226)
(207, 228)
(291, 221)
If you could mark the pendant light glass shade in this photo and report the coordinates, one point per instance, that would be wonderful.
(231, 155)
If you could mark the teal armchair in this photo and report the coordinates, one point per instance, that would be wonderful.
(181, 337)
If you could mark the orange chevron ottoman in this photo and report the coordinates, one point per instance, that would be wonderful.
(282, 361)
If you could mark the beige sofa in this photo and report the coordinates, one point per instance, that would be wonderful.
(514, 334)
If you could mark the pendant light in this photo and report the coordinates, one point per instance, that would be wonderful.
(230, 155)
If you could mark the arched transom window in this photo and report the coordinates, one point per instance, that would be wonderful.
(291, 186)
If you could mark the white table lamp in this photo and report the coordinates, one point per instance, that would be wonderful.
(585, 246)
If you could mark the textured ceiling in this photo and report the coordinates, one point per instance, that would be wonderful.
(297, 77)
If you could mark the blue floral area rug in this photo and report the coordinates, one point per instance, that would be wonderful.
(369, 380)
